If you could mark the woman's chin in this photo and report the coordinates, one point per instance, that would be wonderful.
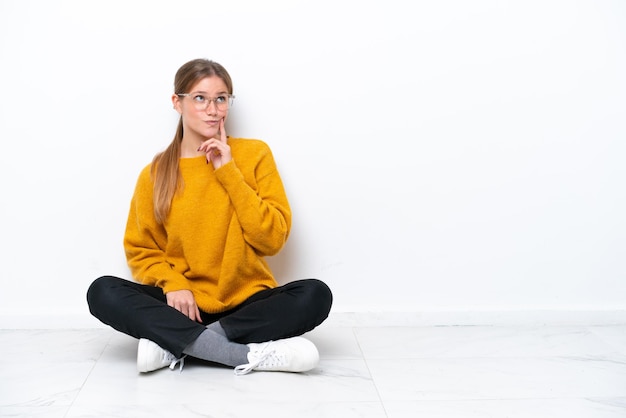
(211, 133)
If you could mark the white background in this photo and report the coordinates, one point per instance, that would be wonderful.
(438, 155)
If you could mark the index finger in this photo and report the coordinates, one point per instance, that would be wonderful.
(223, 137)
(198, 317)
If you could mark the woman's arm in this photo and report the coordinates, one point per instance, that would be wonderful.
(262, 209)
(145, 241)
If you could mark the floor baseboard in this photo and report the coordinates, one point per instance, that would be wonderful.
(374, 319)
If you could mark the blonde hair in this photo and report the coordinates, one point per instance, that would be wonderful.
(165, 170)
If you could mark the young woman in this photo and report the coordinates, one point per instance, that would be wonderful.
(204, 214)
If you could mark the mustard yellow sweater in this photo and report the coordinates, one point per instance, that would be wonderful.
(219, 228)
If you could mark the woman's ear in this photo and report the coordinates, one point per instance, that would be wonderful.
(176, 103)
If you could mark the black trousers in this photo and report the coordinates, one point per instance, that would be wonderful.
(141, 311)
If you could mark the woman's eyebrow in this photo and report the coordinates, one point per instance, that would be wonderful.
(204, 92)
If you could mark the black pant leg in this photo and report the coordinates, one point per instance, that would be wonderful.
(141, 311)
(282, 312)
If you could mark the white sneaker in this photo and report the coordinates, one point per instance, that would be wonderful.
(152, 357)
(295, 354)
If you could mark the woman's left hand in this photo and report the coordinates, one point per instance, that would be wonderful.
(217, 149)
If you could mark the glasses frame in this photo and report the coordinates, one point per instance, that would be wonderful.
(229, 102)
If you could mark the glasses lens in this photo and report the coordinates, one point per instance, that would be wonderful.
(221, 103)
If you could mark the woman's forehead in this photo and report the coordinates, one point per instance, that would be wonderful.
(209, 85)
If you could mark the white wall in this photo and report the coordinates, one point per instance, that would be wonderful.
(438, 155)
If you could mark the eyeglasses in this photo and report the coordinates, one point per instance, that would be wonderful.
(202, 102)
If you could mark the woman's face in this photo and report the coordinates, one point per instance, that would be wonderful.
(201, 110)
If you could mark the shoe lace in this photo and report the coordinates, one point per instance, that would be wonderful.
(173, 361)
(268, 359)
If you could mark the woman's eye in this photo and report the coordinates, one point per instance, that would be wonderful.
(220, 99)
(199, 98)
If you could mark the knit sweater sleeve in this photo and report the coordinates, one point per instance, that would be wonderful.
(258, 197)
(145, 241)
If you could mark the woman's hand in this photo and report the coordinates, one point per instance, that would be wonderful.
(216, 149)
(184, 302)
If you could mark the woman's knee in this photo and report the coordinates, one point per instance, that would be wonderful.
(99, 292)
(320, 296)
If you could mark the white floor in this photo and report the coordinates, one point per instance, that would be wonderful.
(425, 371)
